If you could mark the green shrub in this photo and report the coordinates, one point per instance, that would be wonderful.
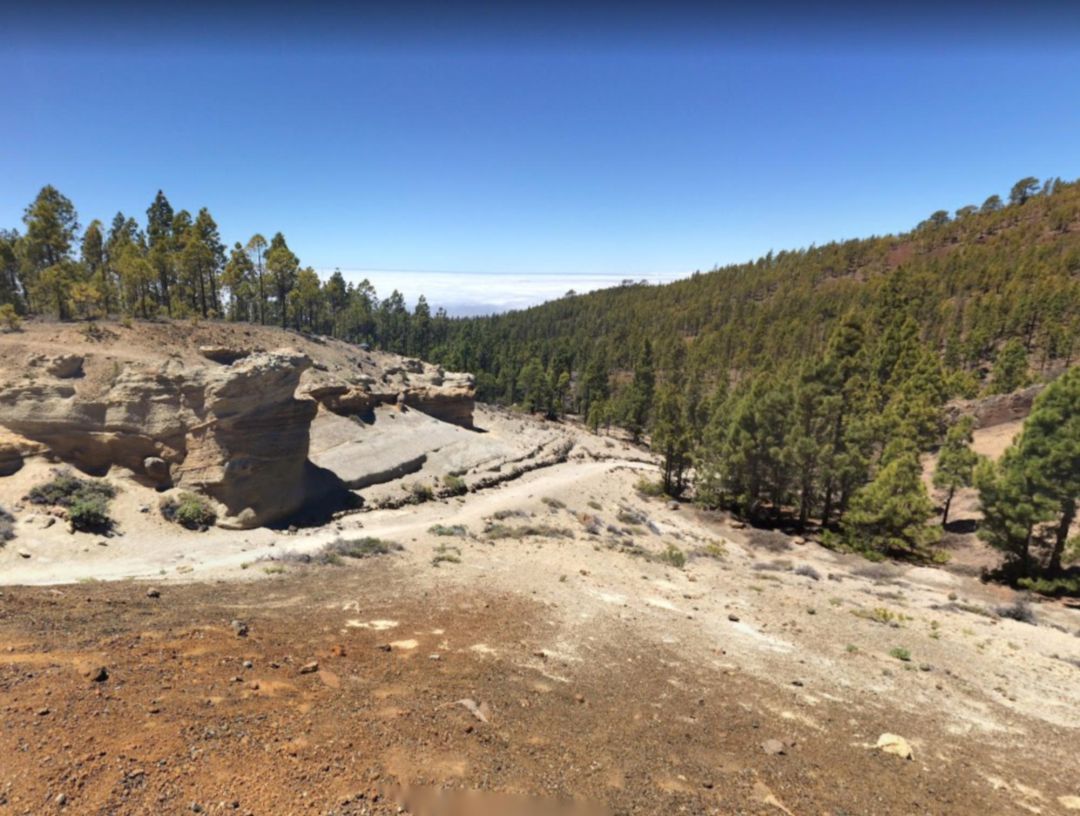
(86, 500)
(64, 488)
(881, 614)
(673, 556)
(7, 526)
(1020, 610)
(361, 547)
(421, 492)
(648, 487)
(89, 514)
(554, 504)
(900, 653)
(714, 549)
(455, 485)
(336, 551)
(9, 318)
(449, 530)
(630, 517)
(1052, 586)
(499, 531)
(189, 510)
(445, 554)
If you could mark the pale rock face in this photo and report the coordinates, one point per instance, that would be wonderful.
(235, 432)
(230, 422)
(995, 409)
(250, 451)
(446, 396)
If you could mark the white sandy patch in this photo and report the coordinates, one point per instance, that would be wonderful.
(374, 625)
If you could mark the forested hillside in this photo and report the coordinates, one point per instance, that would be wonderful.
(802, 388)
(970, 282)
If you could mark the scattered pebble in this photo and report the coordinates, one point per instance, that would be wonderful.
(774, 747)
(894, 744)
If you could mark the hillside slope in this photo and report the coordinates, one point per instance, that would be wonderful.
(971, 282)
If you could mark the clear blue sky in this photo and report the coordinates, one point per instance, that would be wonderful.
(538, 151)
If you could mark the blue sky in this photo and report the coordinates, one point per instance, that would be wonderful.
(492, 164)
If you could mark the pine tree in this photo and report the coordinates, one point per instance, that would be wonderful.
(137, 278)
(420, 329)
(1012, 509)
(306, 299)
(1049, 448)
(11, 286)
(1010, 368)
(670, 436)
(93, 261)
(283, 268)
(956, 462)
(889, 514)
(51, 227)
(336, 293)
(256, 250)
(161, 243)
(238, 279)
(533, 383)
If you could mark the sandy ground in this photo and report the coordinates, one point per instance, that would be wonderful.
(590, 664)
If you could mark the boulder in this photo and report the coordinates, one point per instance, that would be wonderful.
(452, 400)
(157, 470)
(223, 354)
(64, 365)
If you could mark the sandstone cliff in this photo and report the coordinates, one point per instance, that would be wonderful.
(236, 433)
(202, 408)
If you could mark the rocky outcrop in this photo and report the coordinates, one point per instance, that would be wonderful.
(393, 445)
(250, 449)
(446, 396)
(206, 408)
(236, 433)
(14, 449)
(223, 354)
(996, 409)
(64, 365)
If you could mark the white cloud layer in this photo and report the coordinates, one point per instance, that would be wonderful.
(476, 293)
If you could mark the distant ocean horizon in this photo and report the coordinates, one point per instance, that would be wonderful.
(469, 294)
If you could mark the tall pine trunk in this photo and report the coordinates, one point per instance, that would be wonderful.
(1068, 516)
(948, 501)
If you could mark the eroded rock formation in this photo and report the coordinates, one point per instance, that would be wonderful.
(236, 433)
(207, 408)
(446, 396)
